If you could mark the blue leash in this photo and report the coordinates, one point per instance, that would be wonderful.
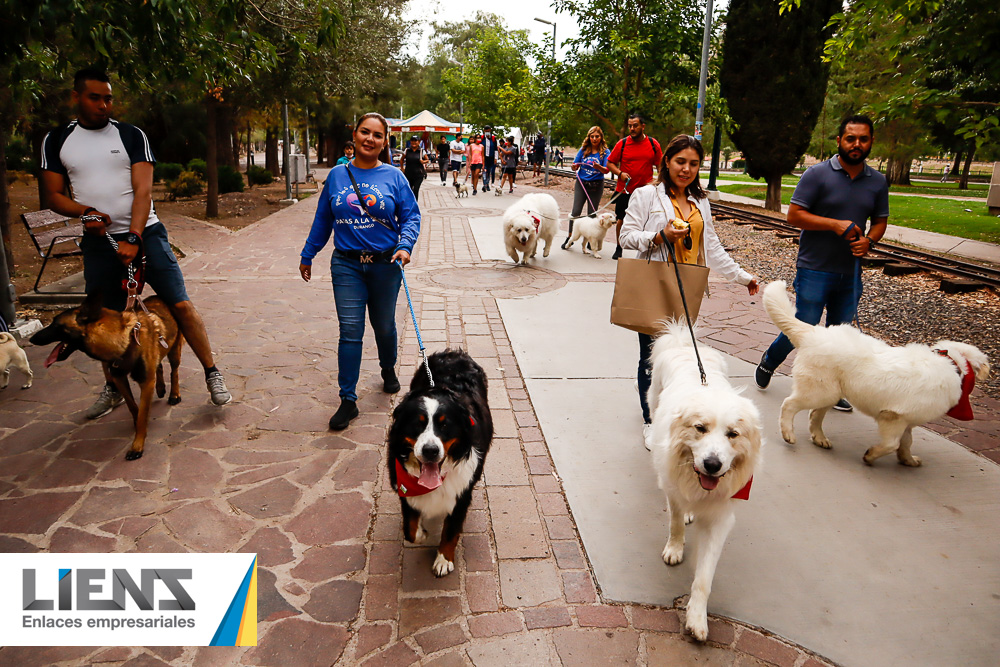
(413, 316)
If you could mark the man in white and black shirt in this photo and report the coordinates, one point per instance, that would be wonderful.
(99, 166)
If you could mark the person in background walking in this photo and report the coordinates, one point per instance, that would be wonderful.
(348, 153)
(510, 154)
(538, 153)
(457, 152)
(832, 204)
(442, 152)
(590, 165)
(676, 210)
(632, 161)
(371, 233)
(413, 165)
(474, 153)
(490, 148)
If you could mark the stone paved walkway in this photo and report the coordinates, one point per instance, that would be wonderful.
(263, 474)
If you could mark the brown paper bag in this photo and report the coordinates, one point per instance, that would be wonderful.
(646, 293)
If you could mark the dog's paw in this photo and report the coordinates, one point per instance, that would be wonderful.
(688, 518)
(26, 386)
(913, 462)
(596, 256)
(133, 455)
(697, 624)
(822, 441)
(173, 400)
(673, 555)
(421, 536)
(545, 253)
(788, 435)
(442, 566)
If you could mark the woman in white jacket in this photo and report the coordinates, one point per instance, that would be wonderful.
(675, 210)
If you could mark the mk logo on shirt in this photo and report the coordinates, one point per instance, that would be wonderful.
(115, 151)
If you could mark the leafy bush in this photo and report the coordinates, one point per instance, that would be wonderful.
(258, 175)
(167, 171)
(187, 184)
(199, 167)
(230, 180)
(738, 164)
(19, 156)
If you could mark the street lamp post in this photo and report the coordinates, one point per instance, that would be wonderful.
(461, 103)
(549, 147)
(702, 79)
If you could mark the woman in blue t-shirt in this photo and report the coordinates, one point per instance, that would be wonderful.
(590, 165)
(370, 209)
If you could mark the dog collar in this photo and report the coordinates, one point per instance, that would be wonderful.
(744, 493)
(407, 485)
(534, 217)
(963, 409)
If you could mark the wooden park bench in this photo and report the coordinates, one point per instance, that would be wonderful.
(47, 230)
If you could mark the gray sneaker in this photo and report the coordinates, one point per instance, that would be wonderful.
(217, 388)
(108, 400)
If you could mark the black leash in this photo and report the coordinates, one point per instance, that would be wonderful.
(680, 287)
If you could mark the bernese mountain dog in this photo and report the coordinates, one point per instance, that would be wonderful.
(438, 443)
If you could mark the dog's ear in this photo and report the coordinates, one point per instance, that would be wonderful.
(91, 309)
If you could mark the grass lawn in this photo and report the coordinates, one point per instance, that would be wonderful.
(743, 178)
(975, 189)
(944, 216)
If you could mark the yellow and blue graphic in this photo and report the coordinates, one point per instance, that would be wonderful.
(352, 201)
(239, 625)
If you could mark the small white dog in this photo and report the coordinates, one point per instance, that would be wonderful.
(531, 219)
(706, 446)
(11, 354)
(461, 189)
(900, 387)
(593, 231)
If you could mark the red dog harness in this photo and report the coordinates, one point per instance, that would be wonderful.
(744, 493)
(963, 409)
(538, 221)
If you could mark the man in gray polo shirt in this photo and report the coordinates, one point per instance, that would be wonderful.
(832, 205)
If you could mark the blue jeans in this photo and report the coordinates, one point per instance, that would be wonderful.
(644, 377)
(358, 286)
(815, 290)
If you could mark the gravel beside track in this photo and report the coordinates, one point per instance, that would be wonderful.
(898, 310)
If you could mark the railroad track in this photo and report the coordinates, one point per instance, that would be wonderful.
(885, 253)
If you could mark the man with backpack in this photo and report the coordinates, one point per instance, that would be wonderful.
(632, 161)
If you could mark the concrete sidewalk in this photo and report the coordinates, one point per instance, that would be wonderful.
(336, 583)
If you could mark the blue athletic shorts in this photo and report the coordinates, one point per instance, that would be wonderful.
(103, 271)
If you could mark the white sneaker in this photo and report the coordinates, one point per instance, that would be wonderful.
(647, 436)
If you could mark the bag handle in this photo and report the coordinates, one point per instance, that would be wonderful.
(371, 215)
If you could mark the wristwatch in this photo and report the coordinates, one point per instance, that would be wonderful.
(871, 241)
(132, 238)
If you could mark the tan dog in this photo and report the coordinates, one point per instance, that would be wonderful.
(132, 343)
(593, 231)
(11, 355)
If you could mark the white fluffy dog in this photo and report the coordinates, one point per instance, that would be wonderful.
(11, 355)
(530, 219)
(593, 231)
(900, 387)
(706, 446)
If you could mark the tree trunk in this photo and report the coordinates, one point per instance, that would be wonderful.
(320, 145)
(898, 171)
(236, 145)
(224, 134)
(5, 206)
(271, 152)
(773, 201)
(958, 162)
(963, 183)
(212, 158)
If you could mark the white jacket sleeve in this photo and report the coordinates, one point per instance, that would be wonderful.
(644, 218)
(716, 256)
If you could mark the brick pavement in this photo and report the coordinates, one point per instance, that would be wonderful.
(336, 583)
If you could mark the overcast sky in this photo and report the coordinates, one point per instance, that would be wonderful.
(517, 14)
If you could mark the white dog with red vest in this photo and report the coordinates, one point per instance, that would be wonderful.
(706, 446)
(899, 387)
(530, 219)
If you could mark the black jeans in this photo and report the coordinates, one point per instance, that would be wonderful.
(645, 377)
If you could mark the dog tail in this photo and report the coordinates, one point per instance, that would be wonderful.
(673, 333)
(5, 338)
(780, 310)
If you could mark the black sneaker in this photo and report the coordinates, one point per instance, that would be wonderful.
(762, 376)
(843, 406)
(565, 244)
(347, 411)
(618, 253)
(390, 383)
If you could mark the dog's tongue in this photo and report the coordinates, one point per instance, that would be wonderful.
(430, 475)
(53, 355)
(707, 481)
